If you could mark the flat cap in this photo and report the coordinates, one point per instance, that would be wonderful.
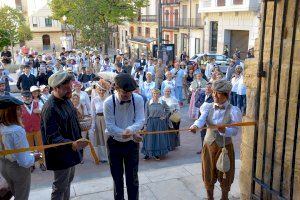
(26, 93)
(7, 101)
(222, 86)
(2, 81)
(125, 82)
(57, 78)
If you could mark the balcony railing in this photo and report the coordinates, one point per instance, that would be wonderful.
(190, 22)
(170, 2)
(183, 23)
(148, 18)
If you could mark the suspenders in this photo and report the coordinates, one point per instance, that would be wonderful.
(114, 103)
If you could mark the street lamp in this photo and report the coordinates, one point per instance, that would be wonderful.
(64, 18)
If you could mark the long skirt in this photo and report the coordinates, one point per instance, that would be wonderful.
(100, 138)
(193, 111)
(174, 136)
(156, 144)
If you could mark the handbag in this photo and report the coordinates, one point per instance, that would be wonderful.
(223, 162)
(175, 117)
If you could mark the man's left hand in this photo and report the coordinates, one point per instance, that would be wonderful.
(222, 130)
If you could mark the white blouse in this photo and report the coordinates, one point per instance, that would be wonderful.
(171, 102)
(85, 101)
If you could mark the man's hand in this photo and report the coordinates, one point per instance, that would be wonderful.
(79, 144)
(127, 134)
(137, 138)
(193, 129)
(36, 111)
(37, 156)
(222, 130)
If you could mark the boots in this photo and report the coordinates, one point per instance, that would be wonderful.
(210, 194)
(225, 195)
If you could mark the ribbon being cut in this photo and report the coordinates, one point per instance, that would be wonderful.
(94, 155)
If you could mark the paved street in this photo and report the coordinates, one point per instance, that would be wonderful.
(94, 182)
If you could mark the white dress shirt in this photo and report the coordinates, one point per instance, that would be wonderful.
(218, 115)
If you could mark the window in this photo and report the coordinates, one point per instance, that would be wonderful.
(147, 32)
(167, 39)
(48, 22)
(167, 18)
(197, 45)
(176, 18)
(213, 36)
(139, 31)
(237, 2)
(46, 42)
(34, 22)
(221, 3)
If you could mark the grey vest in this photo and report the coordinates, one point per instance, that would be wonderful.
(213, 135)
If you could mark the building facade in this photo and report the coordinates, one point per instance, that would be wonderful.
(229, 22)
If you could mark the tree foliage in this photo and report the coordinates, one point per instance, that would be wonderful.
(13, 22)
(96, 18)
(4, 38)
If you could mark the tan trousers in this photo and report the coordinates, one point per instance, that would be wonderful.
(210, 174)
(35, 139)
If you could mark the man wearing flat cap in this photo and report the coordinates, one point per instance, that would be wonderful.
(124, 117)
(59, 124)
(217, 113)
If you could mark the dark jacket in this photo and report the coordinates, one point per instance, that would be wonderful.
(200, 98)
(84, 78)
(59, 123)
(42, 79)
(25, 82)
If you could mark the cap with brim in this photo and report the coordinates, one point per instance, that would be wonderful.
(26, 93)
(222, 86)
(34, 88)
(58, 78)
(125, 82)
(7, 101)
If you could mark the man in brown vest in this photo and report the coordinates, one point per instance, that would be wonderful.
(219, 112)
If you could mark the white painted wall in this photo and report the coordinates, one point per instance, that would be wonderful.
(10, 3)
(229, 21)
(151, 9)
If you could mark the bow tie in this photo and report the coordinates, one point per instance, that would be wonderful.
(122, 102)
(219, 107)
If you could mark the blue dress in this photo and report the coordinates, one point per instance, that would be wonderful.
(157, 144)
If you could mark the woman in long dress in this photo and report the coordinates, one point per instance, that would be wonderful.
(157, 116)
(197, 83)
(174, 107)
(84, 97)
(98, 124)
(148, 86)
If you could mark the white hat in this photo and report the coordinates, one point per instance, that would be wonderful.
(42, 87)
(34, 88)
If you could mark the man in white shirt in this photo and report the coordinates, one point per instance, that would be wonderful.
(217, 113)
(124, 117)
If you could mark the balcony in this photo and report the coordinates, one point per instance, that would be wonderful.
(183, 23)
(190, 23)
(148, 18)
(209, 6)
(170, 2)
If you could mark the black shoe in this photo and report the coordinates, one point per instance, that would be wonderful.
(43, 167)
(157, 157)
(146, 158)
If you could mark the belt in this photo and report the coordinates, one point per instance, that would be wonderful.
(99, 114)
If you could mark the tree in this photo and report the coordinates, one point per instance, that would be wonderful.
(96, 19)
(14, 23)
(4, 38)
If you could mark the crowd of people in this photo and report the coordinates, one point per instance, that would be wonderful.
(121, 96)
